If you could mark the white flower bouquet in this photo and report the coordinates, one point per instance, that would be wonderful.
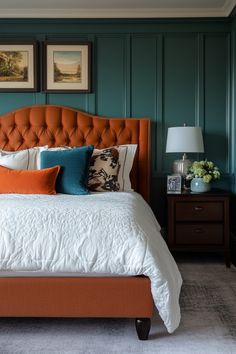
(205, 170)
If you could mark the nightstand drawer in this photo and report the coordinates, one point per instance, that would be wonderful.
(199, 222)
(199, 234)
(199, 211)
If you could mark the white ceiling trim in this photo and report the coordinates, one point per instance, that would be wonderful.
(121, 13)
(228, 7)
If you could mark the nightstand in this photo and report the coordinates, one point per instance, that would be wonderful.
(199, 222)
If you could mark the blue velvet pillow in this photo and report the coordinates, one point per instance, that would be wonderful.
(73, 175)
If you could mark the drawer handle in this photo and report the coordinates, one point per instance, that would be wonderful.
(198, 231)
(197, 208)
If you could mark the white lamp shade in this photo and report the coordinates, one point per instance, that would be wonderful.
(184, 139)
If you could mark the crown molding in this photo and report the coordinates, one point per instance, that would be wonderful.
(228, 7)
(121, 13)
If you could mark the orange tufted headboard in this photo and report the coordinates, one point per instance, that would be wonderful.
(40, 125)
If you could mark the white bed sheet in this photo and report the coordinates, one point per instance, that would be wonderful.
(114, 233)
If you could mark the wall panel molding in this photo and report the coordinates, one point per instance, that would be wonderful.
(179, 86)
(127, 76)
(159, 105)
(216, 86)
(233, 103)
(144, 86)
(200, 93)
(111, 75)
(228, 103)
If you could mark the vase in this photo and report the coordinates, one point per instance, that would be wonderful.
(199, 186)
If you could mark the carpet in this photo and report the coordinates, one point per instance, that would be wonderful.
(208, 325)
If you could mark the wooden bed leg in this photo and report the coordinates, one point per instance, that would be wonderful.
(143, 326)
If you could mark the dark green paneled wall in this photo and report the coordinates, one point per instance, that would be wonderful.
(111, 75)
(171, 71)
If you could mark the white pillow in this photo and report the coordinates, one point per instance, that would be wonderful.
(21, 160)
(59, 148)
(126, 160)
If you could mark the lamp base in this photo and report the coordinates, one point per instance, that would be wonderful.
(181, 167)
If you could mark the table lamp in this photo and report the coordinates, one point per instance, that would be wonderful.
(184, 139)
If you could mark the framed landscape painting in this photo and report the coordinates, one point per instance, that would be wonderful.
(18, 67)
(67, 67)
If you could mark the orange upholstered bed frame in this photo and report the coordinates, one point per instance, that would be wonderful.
(40, 125)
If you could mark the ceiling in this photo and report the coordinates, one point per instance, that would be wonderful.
(115, 8)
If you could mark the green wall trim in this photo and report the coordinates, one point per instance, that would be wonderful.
(119, 21)
(10, 27)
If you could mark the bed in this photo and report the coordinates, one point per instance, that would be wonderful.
(80, 296)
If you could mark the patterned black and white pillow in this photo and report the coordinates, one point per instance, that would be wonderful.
(104, 169)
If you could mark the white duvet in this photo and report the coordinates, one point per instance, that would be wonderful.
(113, 233)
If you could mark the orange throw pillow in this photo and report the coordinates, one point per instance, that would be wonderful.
(28, 181)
